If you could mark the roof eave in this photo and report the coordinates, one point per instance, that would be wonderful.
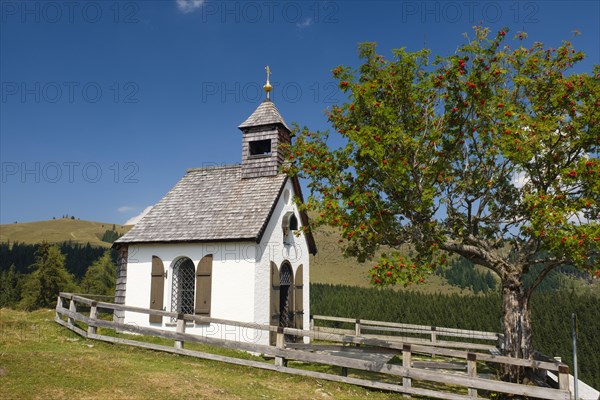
(242, 239)
(310, 239)
(263, 228)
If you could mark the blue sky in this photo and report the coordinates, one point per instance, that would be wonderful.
(105, 104)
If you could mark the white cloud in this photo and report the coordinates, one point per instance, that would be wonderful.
(124, 209)
(188, 6)
(305, 24)
(520, 179)
(137, 218)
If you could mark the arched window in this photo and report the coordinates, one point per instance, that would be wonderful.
(293, 223)
(289, 223)
(182, 289)
(286, 301)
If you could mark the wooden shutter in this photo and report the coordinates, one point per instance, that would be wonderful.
(298, 299)
(274, 307)
(203, 286)
(157, 288)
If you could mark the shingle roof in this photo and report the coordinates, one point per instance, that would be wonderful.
(265, 114)
(210, 204)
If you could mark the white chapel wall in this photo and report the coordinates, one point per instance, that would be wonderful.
(232, 293)
(273, 249)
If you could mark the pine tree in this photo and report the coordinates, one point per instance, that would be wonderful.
(101, 276)
(49, 277)
(10, 287)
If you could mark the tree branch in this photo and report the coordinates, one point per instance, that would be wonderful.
(551, 264)
(475, 254)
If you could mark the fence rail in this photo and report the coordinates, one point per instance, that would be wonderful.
(433, 332)
(407, 373)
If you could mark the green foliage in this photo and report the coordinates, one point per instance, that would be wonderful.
(460, 272)
(453, 311)
(110, 236)
(433, 151)
(19, 263)
(100, 278)
(48, 278)
(10, 287)
(78, 256)
(551, 312)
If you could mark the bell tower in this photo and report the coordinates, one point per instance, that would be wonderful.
(264, 133)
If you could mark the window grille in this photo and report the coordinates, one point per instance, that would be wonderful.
(286, 276)
(285, 295)
(182, 293)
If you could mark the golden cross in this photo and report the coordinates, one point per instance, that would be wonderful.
(268, 86)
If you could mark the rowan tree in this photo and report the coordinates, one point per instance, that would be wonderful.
(490, 153)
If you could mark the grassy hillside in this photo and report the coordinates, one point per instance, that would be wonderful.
(39, 359)
(59, 230)
(330, 266)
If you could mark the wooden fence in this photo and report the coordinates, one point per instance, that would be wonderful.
(422, 334)
(408, 375)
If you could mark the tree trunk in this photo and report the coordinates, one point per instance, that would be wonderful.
(516, 325)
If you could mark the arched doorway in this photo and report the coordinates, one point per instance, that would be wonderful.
(286, 301)
(182, 286)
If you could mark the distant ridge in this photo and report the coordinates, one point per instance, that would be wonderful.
(59, 230)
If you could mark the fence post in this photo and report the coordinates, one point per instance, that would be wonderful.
(73, 309)
(407, 363)
(563, 377)
(357, 327)
(180, 329)
(312, 323)
(472, 372)
(280, 344)
(59, 304)
(93, 315)
(433, 339)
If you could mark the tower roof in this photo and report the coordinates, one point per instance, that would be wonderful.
(265, 114)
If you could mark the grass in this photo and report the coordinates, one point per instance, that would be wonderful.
(58, 231)
(41, 360)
